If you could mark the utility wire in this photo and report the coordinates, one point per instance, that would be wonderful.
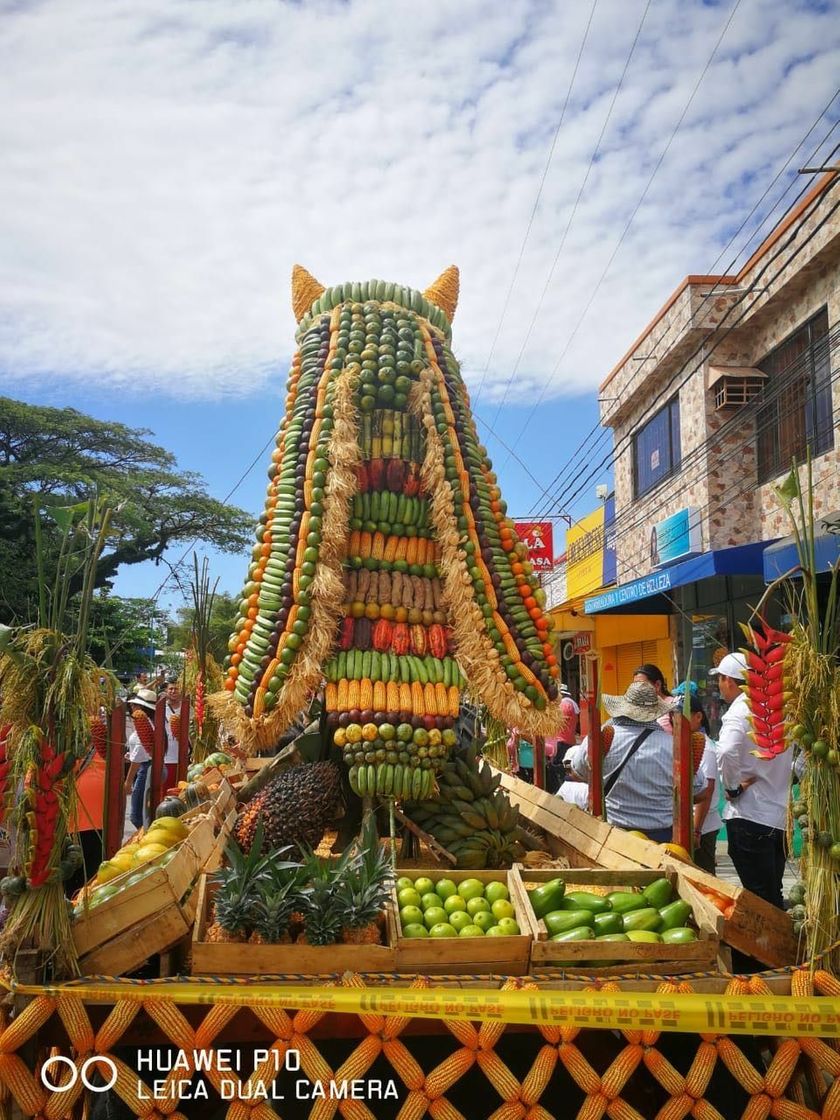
(629, 222)
(535, 207)
(594, 156)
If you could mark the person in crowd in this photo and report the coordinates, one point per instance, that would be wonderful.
(756, 791)
(557, 747)
(571, 790)
(139, 759)
(707, 820)
(89, 818)
(681, 687)
(173, 714)
(161, 680)
(521, 755)
(653, 675)
(639, 767)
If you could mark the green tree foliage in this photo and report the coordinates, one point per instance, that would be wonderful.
(121, 628)
(222, 620)
(58, 457)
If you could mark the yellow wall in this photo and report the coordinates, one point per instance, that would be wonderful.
(624, 642)
(584, 575)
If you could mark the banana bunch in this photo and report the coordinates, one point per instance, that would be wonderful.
(471, 816)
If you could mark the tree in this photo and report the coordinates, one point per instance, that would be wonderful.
(222, 620)
(58, 457)
(123, 630)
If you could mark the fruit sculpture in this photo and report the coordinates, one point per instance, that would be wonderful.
(293, 808)
(384, 559)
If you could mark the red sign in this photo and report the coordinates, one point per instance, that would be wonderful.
(537, 538)
(582, 641)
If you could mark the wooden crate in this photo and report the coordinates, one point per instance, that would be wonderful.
(693, 957)
(211, 958)
(752, 926)
(504, 956)
(135, 945)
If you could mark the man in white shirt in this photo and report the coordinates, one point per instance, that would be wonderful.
(757, 791)
(173, 715)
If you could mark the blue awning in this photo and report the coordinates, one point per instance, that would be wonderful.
(782, 556)
(745, 560)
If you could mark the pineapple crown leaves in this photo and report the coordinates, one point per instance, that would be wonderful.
(242, 868)
(366, 884)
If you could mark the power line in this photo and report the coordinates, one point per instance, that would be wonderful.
(594, 156)
(583, 445)
(630, 220)
(535, 207)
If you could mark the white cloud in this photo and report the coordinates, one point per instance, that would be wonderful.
(165, 164)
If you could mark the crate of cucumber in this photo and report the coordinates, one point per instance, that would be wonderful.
(589, 918)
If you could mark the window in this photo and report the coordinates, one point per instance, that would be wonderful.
(798, 413)
(656, 448)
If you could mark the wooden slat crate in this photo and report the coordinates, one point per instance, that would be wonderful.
(750, 924)
(506, 956)
(225, 958)
(692, 957)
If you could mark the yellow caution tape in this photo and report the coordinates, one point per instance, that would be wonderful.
(783, 1016)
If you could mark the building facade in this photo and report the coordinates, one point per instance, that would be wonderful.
(734, 379)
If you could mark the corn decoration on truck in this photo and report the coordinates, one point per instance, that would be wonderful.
(384, 561)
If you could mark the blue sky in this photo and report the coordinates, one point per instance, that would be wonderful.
(165, 168)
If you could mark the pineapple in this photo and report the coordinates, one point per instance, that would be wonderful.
(276, 903)
(321, 903)
(365, 888)
(236, 886)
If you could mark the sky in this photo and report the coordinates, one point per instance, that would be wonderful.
(166, 162)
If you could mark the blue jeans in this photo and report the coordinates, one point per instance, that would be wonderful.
(137, 809)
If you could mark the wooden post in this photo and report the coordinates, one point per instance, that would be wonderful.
(683, 833)
(113, 821)
(158, 756)
(594, 747)
(184, 739)
(539, 762)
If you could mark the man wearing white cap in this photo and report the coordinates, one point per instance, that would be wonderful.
(757, 791)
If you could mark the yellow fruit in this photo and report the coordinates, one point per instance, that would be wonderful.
(161, 836)
(174, 824)
(678, 851)
(122, 860)
(149, 851)
(108, 871)
(636, 832)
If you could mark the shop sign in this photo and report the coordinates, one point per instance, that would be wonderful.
(629, 593)
(677, 537)
(582, 641)
(538, 538)
(590, 551)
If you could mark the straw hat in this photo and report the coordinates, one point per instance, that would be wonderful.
(145, 698)
(640, 703)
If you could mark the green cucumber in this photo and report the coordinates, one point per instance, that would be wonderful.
(674, 915)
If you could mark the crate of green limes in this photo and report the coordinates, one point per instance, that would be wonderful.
(459, 922)
(616, 919)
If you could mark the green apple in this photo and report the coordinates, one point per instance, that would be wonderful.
(411, 915)
(478, 905)
(484, 920)
(460, 918)
(495, 891)
(434, 916)
(471, 888)
(454, 903)
(423, 885)
(404, 883)
(471, 931)
(497, 931)
(445, 888)
(408, 896)
(509, 927)
(442, 929)
(428, 900)
(501, 908)
(415, 930)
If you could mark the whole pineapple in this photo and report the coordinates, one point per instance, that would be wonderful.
(294, 808)
(364, 889)
(277, 899)
(236, 887)
(321, 904)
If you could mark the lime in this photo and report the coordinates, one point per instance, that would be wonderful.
(434, 916)
(429, 901)
(494, 891)
(404, 883)
(424, 884)
(454, 904)
(471, 931)
(442, 929)
(445, 888)
(484, 920)
(508, 926)
(408, 896)
(478, 905)
(460, 918)
(471, 888)
(501, 908)
(411, 915)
